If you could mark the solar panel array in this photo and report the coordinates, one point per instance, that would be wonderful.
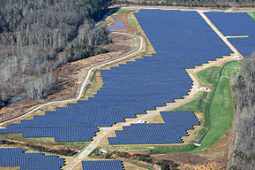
(181, 40)
(10, 157)
(236, 24)
(102, 165)
(175, 126)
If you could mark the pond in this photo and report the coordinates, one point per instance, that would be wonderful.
(119, 25)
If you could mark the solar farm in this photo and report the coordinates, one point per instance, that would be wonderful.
(244, 28)
(106, 165)
(176, 124)
(183, 41)
(10, 157)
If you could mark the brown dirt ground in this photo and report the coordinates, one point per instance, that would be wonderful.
(122, 44)
(24, 145)
(129, 166)
(9, 168)
(74, 72)
(155, 167)
(123, 17)
(214, 157)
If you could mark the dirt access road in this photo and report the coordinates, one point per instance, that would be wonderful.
(82, 85)
(191, 95)
(193, 92)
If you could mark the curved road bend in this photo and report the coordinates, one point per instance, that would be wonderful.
(194, 90)
(83, 83)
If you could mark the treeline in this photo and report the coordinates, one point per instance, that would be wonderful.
(243, 156)
(192, 3)
(37, 36)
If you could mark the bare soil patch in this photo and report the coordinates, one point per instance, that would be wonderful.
(123, 17)
(66, 150)
(70, 77)
(215, 157)
(130, 166)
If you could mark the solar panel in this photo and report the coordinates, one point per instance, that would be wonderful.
(12, 157)
(181, 40)
(236, 24)
(102, 165)
(175, 126)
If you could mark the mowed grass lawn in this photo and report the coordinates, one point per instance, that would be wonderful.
(252, 14)
(118, 11)
(218, 102)
(132, 22)
(222, 108)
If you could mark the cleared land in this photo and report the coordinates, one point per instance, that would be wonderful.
(196, 104)
(221, 113)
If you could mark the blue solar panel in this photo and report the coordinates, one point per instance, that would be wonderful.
(10, 157)
(181, 40)
(175, 126)
(236, 24)
(102, 165)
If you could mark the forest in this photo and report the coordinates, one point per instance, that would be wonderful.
(243, 156)
(37, 36)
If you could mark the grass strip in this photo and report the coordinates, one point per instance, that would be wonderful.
(138, 165)
(218, 102)
(118, 11)
(127, 148)
(42, 141)
(252, 14)
(132, 22)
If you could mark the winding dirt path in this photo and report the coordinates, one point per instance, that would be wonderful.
(82, 85)
(105, 131)
(192, 94)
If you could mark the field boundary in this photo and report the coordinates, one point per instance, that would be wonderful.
(80, 92)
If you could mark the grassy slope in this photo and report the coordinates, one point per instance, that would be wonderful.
(138, 165)
(118, 11)
(132, 22)
(252, 14)
(221, 110)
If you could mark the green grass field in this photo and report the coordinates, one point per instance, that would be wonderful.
(127, 148)
(252, 14)
(218, 102)
(222, 109)
(132, 22)
(118, 11)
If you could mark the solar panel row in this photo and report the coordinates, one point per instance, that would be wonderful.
(10, 157)
(102, 165)
(236, 24)
(181, 40)
(175, 126)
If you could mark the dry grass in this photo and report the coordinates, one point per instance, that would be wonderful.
(10, 168)
(129, 166)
